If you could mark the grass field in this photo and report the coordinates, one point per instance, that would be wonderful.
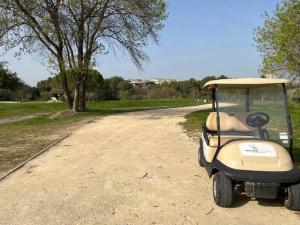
(21, 139)
(193, 122)
(29, 108)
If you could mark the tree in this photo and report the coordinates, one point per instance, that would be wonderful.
(75, 31)
(94, 85)
(13, 88)
(35, 26)
(279, 40)
(43, 85)
(9, 80)
(125, 90)
(222, 77)
(50, 87)
(92, 27)
(111, 90)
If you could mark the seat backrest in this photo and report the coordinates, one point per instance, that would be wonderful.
(228, 122)
(211, 121)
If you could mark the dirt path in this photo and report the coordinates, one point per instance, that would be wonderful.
(136, 168)
(19, 118)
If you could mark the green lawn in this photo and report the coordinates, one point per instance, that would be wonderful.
(29, 108)
(193, 122)
(20, 140)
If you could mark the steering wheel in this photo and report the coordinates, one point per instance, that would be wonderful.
(258, 119)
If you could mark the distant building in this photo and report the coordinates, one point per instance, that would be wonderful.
(144, 83)
(160, 81)
(136, 82)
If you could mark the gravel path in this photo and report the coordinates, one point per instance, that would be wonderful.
(135, 168)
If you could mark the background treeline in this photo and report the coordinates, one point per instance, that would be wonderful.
(12, 88)
(117, 88)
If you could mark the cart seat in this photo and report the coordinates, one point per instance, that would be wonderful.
(228, 123)
(213, 140)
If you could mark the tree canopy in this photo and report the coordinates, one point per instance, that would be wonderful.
(71, 33)
(13, 88)
(279, 40)
(51, 87)
(9, 80)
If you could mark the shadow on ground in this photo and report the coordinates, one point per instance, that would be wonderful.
(242, 199)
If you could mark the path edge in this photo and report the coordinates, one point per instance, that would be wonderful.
(6, 175)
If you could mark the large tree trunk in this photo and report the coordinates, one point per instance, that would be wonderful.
(76, 101)
(64, 84)
(82, 99)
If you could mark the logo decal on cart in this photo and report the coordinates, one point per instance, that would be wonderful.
(257, 149)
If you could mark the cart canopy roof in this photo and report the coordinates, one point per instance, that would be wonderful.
(243, 82)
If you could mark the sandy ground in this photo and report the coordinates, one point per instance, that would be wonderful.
(135, 168)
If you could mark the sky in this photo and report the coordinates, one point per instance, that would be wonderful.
(200, 38)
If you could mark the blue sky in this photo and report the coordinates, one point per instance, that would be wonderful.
(201, 37)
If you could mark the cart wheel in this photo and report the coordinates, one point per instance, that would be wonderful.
(292, 201)
(222, 190)
(200, 155)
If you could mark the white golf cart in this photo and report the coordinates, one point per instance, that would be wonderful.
(247, 141)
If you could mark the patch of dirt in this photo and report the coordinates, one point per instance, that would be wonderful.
(62, 114)
(20, 118)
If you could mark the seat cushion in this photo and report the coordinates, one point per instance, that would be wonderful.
(228, 122)
(213, 140)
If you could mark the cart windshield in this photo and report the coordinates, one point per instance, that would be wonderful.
(253, 112)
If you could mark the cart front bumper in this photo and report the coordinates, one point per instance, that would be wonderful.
(282, 177)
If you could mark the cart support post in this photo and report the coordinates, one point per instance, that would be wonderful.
(289, 123)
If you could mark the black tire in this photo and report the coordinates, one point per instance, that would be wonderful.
(292, 201)
(222, 190)
(200, 155)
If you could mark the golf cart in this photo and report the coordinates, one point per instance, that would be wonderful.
(246, 142)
